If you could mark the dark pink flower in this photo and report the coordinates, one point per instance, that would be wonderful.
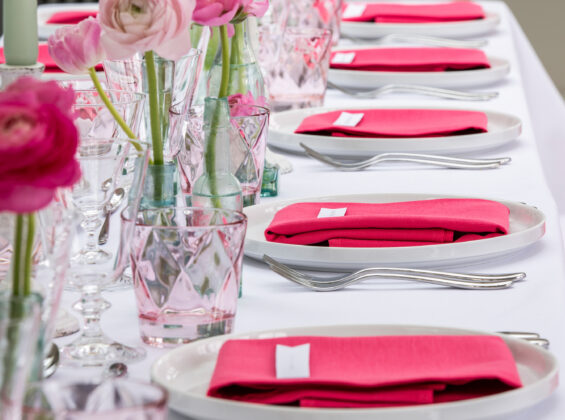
(38, 144)
(215, 12)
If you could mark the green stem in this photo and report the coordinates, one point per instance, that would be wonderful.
(112, 109)
(17, 256)
(237, 55)
(225, 83)
(28, 262)
(154, 109)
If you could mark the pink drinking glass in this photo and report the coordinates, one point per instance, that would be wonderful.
(303, 69)
(322, 14)
(186, 264)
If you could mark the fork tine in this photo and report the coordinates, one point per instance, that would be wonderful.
(282, 268)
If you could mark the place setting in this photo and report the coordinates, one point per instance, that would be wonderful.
(159, 261)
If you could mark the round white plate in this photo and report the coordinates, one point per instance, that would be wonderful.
(463, 29)
(186, 373)
(502, 128)
(527, 225)
(460, 79)
(45, 11)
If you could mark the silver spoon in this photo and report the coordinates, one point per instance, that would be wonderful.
(112, 205)
(51, 361)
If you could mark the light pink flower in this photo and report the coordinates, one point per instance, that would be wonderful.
(137, 26)
(215, 12)
(256, 8)
(76, 48)
(38, 144)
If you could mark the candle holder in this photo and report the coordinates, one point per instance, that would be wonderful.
(10, 73)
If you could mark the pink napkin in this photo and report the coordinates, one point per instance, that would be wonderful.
(407, 223)
(367, 371)
(45, 58)
(396, 123)
(418, 13)
(411, 59)
(71, 17)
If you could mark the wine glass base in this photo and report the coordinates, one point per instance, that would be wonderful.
(98, 256)
(99, 351)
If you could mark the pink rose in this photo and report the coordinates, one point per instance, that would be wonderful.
(38, 144)
(131, 27)
(215, 12)
(76, 48)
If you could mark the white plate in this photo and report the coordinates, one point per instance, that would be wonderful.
(186, 373)
(463, 29)
(527, 225)
(447, 79)
(502, 128)
(45, 11)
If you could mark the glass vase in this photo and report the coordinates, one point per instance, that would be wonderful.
(217, 186)
(176, 82)
(20, 319)
(245, 74)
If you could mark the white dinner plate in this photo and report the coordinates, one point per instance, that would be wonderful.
(460, 29)
(460, 79)
(45, 11)
(187, 370)
(527, 225)
(502, 128)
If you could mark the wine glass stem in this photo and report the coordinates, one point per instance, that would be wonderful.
(92, 304)
(91, 226)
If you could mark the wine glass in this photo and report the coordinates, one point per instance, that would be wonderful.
(102, 162)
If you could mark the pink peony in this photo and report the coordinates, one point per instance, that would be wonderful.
(131, 27)
(76, 48)
(38, 144)
(215, 12)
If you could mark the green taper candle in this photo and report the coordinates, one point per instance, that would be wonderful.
(20, 32)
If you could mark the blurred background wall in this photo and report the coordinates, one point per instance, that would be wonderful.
(542, 20)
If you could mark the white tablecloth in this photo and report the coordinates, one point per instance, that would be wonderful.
(537, 304)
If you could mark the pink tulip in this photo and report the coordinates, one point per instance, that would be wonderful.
(215, 12)
(239, 104)
(76, 48)
(146, 25)
(38, 144)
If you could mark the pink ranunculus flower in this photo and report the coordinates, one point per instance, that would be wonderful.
(131, 27)
(215, 12)
(256, 8)
(38, 144)
(76, 48)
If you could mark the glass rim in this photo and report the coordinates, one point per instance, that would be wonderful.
(298, 30)
(262, 110)
(136, 97)
(192, 53)
(242, 217)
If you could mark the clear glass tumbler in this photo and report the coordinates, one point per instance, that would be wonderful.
(186, 265)
(303, 69)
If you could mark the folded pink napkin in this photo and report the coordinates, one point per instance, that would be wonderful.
(395, 123)
(409, 59)
(45, 58)
(71, 17)
(414, 13)
(366, 371)
(409, 223)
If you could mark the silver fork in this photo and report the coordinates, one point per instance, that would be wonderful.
(419, 39)
(443, 161)
(530, 337)
(455, 280)
(416, 89)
